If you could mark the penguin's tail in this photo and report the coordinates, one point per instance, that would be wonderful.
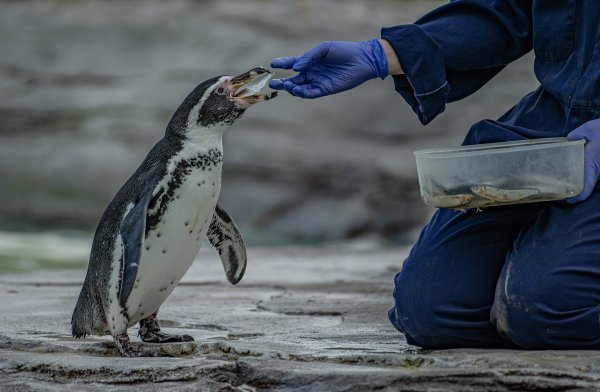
(88, 316)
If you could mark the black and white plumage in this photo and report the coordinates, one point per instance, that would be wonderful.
(152, 230)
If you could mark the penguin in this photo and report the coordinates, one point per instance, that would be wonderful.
(151, 231)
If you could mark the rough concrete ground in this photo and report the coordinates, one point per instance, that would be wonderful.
(301, 319)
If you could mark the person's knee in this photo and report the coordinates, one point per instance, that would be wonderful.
(414, 311)
(515, 320)
(534, 315)
(413, 317)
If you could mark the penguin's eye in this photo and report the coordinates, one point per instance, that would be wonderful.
(220, 90)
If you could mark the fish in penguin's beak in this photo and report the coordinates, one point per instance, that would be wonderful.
(248, 86)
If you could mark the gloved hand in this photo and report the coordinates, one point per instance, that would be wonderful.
(332, 67)
(590, 131)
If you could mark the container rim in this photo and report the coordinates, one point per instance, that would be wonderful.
(497, 148)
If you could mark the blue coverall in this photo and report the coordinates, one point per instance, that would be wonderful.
(515, 276)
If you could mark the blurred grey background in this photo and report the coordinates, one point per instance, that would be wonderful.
(87, 87)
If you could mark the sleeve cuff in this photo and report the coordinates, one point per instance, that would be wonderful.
(423, 84)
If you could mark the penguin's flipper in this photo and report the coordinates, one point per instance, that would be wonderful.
(224, 235)
(133, 229)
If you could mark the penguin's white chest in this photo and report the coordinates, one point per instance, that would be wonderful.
(172, 245)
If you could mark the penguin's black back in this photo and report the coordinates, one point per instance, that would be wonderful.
(89, 315)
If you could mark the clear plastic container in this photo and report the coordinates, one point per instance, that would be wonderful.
(493, 174)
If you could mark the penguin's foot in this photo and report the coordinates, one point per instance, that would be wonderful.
(150, 332)
(125, 350)
(161, 337)
(144, 354)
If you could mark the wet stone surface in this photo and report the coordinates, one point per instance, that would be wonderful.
(301, 319)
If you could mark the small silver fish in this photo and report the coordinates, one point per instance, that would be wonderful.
(270, 95)
(448, 201)
(503, 195)
(255, 86)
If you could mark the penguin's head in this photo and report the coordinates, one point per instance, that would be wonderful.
(216, 103)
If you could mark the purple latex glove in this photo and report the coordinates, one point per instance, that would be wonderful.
(332, 67)
(590, 131)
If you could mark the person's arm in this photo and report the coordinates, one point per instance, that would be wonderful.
(394, 67)
(332, 67)
(454, 50)
(445, 56)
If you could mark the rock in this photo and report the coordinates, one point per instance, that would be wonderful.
(86, 93)
(301, 319)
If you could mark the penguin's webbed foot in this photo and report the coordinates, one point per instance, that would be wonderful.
(125, 350)
(144, 354)
(150, 332)
(161, 337)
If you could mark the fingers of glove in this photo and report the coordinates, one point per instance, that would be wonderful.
(574, 200)
(279, 84)
(578, 134)
(590, 172)
(590, 177)
(587, 131)
(284, 62)
(588, 186)
(276, 84)
(288, 86)
(308, 91)
(301, 78)
(302, 86)
(584, 130)
(316, 53)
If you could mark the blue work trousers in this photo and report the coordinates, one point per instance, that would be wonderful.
(514, 276)
(523, 276)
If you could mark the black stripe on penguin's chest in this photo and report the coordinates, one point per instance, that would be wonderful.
(163, 198)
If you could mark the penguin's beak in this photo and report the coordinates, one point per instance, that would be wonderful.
(248, 86)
